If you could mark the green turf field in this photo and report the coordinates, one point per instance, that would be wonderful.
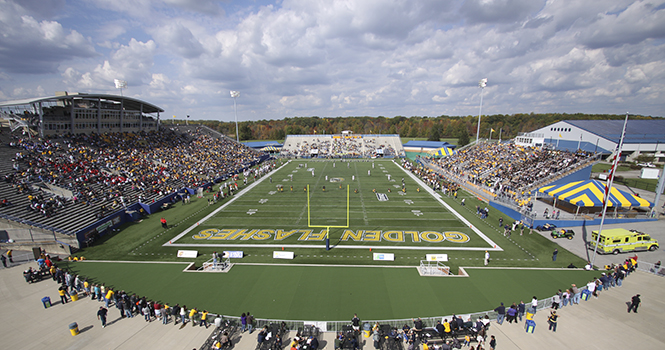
(329, 292)
(261, 219)
(385, 208)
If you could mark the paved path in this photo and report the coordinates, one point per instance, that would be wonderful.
(596, 324)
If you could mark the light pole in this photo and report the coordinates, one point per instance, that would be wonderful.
(482, 83)
(236, 94)
(120, 84)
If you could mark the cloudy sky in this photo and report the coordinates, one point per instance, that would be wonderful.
(341, 57)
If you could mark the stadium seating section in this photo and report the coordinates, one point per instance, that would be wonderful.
(72, 181)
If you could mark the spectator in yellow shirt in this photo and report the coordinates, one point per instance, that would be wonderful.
(204, 315)
(193, 312)
(109, 296)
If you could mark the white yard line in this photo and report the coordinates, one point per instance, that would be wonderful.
(245, 190)
(494, 246)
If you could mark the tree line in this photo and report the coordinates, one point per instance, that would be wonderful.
(461, 128)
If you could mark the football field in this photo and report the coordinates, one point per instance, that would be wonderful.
(368, 207)
(355, 204)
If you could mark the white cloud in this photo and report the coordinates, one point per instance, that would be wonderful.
(37, 47)
(132, 62)
(640, 21)
(353, 57)
(178, 39)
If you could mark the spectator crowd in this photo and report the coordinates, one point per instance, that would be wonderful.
(114, 170)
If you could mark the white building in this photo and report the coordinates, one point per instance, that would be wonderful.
(642, 136)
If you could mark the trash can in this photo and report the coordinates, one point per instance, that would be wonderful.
(585, 294)
(74, 328)
(366, 329)
(47, 302)
(530, 326)
(75, 295)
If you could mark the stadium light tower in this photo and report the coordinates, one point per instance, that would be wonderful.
(482, 83)
(236, 94)
(120, 84)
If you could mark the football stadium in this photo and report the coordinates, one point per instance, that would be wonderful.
(305, 235)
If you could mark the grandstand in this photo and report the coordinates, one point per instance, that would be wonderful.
(81, 186)
(77, 113)
(342, 146)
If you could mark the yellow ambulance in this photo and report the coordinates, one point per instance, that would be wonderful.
(619, 240)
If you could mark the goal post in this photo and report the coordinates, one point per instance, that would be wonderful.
(328, 227)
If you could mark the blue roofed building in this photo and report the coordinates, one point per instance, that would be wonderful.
(602, 136)
(272, 146)
(425, 146)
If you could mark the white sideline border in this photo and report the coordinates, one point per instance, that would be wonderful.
(222, 207)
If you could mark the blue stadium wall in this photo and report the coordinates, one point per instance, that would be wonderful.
(138, 210)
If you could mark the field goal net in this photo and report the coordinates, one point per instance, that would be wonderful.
(433, 268)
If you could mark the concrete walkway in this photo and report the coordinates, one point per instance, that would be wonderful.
(595, 324)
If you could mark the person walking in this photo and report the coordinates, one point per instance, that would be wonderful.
(492, 342)
(101, 315)
(163, 221)
(487, 257)
(10, 256)
(556, 252)
(552, 320)
(62, 291)
(634, 303)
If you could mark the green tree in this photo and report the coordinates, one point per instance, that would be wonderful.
(434, 133)
(246, 132)
(462, 137)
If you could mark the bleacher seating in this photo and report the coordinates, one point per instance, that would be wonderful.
(342, 146)
(70, 182)
(509, 170)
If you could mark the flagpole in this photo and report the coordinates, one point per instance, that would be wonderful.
(608, 188)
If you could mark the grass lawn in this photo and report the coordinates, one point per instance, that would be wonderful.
(329, 292)
(644, 184)
(604, 167)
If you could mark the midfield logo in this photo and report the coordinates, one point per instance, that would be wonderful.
(382, 197)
